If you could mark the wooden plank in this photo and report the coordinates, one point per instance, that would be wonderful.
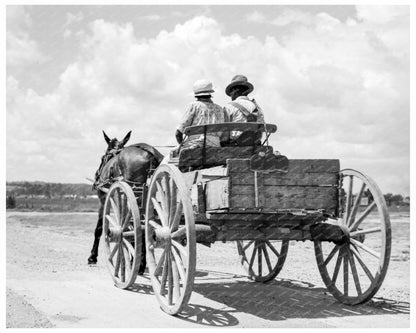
(295, 166)
(213, 155)
(224, 127)
(216, 194)
(276, 178)
(286, 197)
(268, 234)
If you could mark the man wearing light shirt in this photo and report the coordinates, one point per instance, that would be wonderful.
(241, 108)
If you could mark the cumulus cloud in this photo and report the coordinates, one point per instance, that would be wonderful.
(336, 90)
(21, 49)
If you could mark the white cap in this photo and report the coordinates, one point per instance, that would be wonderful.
(203, 87)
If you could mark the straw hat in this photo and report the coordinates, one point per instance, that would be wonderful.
(239, 80)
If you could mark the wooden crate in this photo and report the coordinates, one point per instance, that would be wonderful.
(309, 184)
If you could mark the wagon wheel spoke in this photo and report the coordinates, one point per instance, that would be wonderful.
(250, 265)
(154, 224)
(354, 273)
(160, 263)
(348, 203)
(369, 209)
(164, 276)
(176, 282)
(346, 262)
(121, 205)
(128, 234)
(126, 219)
(272, 248)
(363, 265)
(331, 254)
(177, 217)
(128, 259)
(356, 205)
(179, 233)
(159, 211)
(129, 247)
(170, 280)
(118, 260)
(122, 264)
(260, 259)
(112, 221)
(337, 266)
(116, 211)
(113, 252)
(365, 248)
(266, 256)
(173, 202)
(167, 194)
(181, 250)
(245, 247)
(179, 263)
(365, 231)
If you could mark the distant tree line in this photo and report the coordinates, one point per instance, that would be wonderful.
(49, 190)
(396, 199)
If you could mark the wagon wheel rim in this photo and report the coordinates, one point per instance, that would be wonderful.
(170, 239)
(354, 269)
(122, 234)
(262, 259)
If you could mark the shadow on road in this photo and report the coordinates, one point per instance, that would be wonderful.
(283, 299)
(204, 315)
(276, 300)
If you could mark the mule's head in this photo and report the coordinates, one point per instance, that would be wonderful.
(114, 144)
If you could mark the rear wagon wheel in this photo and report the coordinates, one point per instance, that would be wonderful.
(354, 270)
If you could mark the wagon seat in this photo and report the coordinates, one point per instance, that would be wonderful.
(206, 157)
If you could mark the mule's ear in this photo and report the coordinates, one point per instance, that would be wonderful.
(107, 139)
(126, 138)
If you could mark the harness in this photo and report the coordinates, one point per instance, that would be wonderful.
(99, 182)
(250, 116)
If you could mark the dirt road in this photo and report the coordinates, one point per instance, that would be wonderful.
(49, 284)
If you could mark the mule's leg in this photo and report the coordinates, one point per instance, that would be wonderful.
(92, 259)
(143, 256)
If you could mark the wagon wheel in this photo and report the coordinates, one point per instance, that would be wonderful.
(170, 239)
(262, 259)
(122, 234)
(363, 256)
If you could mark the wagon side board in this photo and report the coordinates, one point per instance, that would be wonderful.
(309, 184)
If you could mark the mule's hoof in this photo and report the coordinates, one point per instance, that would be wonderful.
(92, 260)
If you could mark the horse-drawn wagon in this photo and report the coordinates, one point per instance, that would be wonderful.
(238, 193)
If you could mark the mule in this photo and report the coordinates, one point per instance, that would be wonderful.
(132, 163)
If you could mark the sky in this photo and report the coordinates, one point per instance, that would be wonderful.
(335, 80)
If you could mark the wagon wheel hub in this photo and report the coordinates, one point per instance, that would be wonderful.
(115, 234)
(163, 234)
(345, 238)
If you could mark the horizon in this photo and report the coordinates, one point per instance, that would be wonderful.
(335, 79)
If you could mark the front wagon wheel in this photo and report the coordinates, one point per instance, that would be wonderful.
(122, 234)
(262, 259)
(170, 239)
(354, 269)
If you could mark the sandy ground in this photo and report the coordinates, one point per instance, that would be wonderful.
(49, 284)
